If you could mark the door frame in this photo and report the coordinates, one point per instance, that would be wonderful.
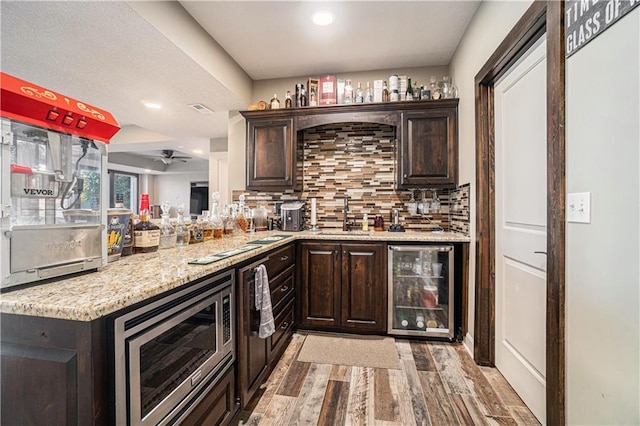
(541, 17)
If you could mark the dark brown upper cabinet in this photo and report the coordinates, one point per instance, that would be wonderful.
(428, 150)
(272, 155)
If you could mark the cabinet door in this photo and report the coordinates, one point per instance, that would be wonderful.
(320, 284)
(363, 287)
(429, 149)
(252, 350)
(271, 156)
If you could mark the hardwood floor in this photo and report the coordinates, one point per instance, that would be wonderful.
(437, 384)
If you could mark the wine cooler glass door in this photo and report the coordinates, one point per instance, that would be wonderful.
(421, 290)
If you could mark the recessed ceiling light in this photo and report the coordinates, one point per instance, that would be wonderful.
(197, 151)
(322, 18)
(152, 105)
(147, 170)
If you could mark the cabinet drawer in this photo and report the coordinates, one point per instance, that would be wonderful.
(284, 326)
(280, 259)
(218, 406)
(282, 288)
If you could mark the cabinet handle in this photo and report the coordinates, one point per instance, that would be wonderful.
(540, 252)
(405, 175)
(285, 288)
(284, 325)
(284, 258)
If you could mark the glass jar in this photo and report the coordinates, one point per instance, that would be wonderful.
(167, 232)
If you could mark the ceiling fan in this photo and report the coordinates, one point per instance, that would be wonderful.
(168, 157)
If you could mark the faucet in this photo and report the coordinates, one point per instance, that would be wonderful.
(345, 225)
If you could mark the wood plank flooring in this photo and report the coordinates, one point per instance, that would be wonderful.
(437, 384)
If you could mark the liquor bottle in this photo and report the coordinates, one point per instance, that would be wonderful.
(204, 222)
(348, 92)
(275, 103)
(313, 98)
(435, 90)
(416, 91)
(146, 234)
(420, 320)
(298, 101)
(368, 94)
(241, 219)
(167, 233)
(359, 94)
(385, 92)
(303, 96)
(287, 100)
(408, 94)
(403, 319)
(215, 220)
(182, 231)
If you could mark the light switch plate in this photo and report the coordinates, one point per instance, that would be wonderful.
(579, 207)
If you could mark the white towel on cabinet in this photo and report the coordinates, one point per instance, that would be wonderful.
(263, 303)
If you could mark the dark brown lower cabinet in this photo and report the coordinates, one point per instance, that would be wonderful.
(217, 407)
(343, 286)
(256, 356)
(53, 371)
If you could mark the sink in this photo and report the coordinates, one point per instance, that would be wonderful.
(341, 232)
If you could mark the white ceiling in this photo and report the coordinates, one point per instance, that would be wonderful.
(107, 54)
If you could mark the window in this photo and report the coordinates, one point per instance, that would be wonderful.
(125, 184)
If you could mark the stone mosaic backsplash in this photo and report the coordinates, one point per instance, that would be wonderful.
(358, 160)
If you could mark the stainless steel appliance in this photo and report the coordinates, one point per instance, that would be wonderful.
(169, 353)
(421, 298)
(52, 162)
(292, 216)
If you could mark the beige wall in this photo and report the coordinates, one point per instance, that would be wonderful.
(489, 26)
(603, 276)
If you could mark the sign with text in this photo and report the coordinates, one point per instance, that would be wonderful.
(587, 19)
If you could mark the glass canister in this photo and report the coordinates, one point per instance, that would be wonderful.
(167, 232)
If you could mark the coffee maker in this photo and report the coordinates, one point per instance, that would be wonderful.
(53, 192)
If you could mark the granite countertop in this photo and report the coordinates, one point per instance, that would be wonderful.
(133, 279)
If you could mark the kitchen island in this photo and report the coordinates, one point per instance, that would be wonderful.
(56, 361)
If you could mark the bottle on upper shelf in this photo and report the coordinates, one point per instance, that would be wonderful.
(275, 102)
(359, 94)
(435, 90)
(348, 92)
(303, 96)
(287, 100)
(408, 94)
(368, 94)
(385, 92)
(416, 91)
(313, 98)
(146, 234)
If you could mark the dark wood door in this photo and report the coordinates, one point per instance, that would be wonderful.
(363, 287)
(252, 350)
(271, 154)
(429, 149)
(320, 284)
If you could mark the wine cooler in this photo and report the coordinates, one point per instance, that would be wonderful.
(421, 291)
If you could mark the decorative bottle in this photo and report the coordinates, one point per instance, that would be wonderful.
(368, 94)
(287, 101)
(182, 231)
(313, 98)
(408, 94)
(435, 90)
(146, 234)
(303, 96)
(241, 219)
(385, 92)
(416, 91)
(348, 92)
(275, 103)
(167, 233)
(359, 94)
(215, 219)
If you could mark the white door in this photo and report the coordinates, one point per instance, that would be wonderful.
(521, 226)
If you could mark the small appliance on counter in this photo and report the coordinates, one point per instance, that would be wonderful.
(53, 199)
(292, 216)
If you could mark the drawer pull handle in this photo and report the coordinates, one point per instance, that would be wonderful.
(284, 325)
(285, 288)
(284, 258)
